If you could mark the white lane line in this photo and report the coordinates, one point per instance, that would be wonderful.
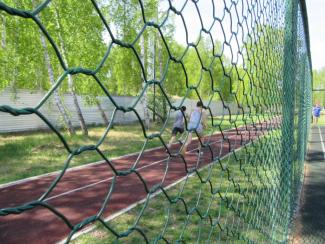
(321, 139)
(124, 210)
(105, 180)
(83, 166)
(120, 212)
(108, 179)
(98, 182)
(70, 169)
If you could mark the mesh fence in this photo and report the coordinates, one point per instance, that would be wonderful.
(238, 179)
(307, 225)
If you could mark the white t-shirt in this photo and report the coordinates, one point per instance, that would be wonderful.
(196, 121)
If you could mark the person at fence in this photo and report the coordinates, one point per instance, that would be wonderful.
(197, 123)
(316, 113)
(178, 126)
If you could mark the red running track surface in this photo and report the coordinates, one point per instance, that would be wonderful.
(81, 192)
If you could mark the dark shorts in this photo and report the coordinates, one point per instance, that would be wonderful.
(177, 130)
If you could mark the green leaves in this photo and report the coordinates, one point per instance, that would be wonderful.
(319, 83)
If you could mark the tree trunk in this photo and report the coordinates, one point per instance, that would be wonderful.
(77, 107)
(161, 70)
(100, 108)
(70, 79)
(57, 98)
(4, 33)
(154, 76)
(13, 82)
(145, 95)
(124, 31)
(56, 95)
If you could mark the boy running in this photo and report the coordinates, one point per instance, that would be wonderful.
(178, 126)
(197, 123)
(316, 113)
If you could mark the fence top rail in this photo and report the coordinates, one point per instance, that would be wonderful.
(306, 28)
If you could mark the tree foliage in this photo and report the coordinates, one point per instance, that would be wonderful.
(86, 41)
(319, 83)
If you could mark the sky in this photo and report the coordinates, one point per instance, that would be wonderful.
(316, 21)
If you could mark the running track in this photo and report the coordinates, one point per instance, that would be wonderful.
(81, 192)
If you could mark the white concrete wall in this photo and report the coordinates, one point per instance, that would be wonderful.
(24, 98)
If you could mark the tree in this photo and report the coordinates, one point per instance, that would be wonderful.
(124, 17)
(57, 98)
(61, 30)
(319, 84)
(79, 36)
(257, 86)
(3, 32)
(26, 65)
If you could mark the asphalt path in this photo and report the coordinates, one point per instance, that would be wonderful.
(310, 224)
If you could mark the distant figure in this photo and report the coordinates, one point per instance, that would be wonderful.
(197, 123)
(316, 113)
(178, 126)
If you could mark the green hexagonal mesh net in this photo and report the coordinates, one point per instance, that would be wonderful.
(247, 62)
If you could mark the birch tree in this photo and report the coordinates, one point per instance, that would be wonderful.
(146, 113)
(70, 77)
(56, 95)
(3, 32)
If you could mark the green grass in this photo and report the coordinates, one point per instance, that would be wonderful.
(29, 154)
(239, 212)
(24, 155)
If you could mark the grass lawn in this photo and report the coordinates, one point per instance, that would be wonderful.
(237, 201)
(29, 154)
